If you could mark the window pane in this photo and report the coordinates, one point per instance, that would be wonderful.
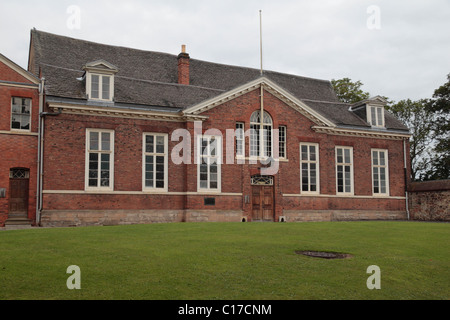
(106, 143)
(160, 144)
(93, 139)
(347, 155)
(383, 186)
(380, 116)
(26, 106)
(15, 105)
(105, 170)
(312, 151)
(15, 122)
(213, 147)
(382, 159)
(149, 143)
(254, 140)
(149, 183)
(375, 158)
(304, 153)
(25, 122)
(374, 116)
(339, 156)
(105, 87)
(204, 147)
(95, 86)
(239, 139)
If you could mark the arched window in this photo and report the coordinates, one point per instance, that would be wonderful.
(260, 140)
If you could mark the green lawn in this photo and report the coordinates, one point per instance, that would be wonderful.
(232, 261)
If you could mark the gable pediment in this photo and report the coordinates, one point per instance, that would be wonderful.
(22, 73)
(268, 86)
(100, 66)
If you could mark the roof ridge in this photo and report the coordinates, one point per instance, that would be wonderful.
(175, 56)
(100, 43)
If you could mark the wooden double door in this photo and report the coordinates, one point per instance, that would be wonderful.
(262, 203)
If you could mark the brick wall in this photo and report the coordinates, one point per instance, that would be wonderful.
(64, 169)
(430, 200)
(17, 150)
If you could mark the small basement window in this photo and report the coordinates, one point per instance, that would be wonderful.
(210, 201)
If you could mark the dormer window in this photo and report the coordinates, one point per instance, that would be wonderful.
(100, 80)
(375, 116)
(100, 87)
(371, 110)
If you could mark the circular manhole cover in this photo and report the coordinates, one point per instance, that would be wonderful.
(324, 254)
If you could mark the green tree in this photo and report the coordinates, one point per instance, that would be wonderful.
(349, 91)
(416, 116)
(439, 105)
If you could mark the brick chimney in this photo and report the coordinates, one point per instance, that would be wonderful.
(183, 66)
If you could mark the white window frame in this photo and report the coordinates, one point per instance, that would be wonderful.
(100, 86)
(155, 154)
(385, 166)
(260, 133)
(309, 162)
(111, 160)
(282, 142)
(344, 164)
(218, 159)
(29, 115)
(379, 116)
(240, 139)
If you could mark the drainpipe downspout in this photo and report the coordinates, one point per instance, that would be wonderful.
(39, 154)
(40, 160)
(405, 168)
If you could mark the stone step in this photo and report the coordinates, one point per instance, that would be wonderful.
(19, 221)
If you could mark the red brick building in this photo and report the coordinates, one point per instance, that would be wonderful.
(19, 109)
(135, 136)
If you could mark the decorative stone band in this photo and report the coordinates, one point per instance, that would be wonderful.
(390, 135)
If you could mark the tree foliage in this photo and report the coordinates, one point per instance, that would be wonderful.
(349, 91)
(439, 105)
(428, 121)
(416, 117)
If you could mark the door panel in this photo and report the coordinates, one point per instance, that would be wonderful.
(18, 200)
(262, 203)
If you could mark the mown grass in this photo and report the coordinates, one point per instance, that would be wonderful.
(227, 261)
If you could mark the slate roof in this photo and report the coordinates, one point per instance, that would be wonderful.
(148, 78)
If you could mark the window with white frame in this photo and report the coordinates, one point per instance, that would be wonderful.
(99, 87)
(375, 116)
(282, 141)
(20, 113)
(309, 167)
(240, 139)
(380, 172)
(344, 170)
(209, 150)
(260, 140)
(99, 159)
(155, 162)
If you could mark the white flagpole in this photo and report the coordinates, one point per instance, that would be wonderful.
(260, 40)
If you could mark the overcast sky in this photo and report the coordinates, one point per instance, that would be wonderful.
(399, 49)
